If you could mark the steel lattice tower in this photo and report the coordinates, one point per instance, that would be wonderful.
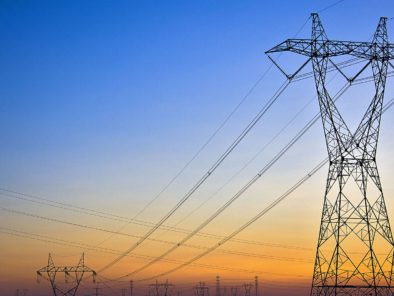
(75, 273)
(355, 244)
(201, 289)
(161, 289)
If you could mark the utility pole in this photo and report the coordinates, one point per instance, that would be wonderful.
(355, 247)
(131, 288)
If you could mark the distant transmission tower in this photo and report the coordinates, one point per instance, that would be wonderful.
(161, 289)
(201, 289)
(248, 289)
(355, 245)
(75, 273)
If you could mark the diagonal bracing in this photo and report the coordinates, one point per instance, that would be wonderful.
(354, 216)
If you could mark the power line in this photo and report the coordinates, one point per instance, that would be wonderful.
(330, 6)
(242, 168)
(343, 64)
(258, 216)
(228, 117)
(218, 162)
(208, 173)
(117, 252)
(331, 68)
(241, 191)
(217, 245)
(148, 224)
(48, 239)
(173, 228)
(254, 121)
(213, 135)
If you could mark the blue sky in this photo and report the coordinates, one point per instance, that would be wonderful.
(85, 80)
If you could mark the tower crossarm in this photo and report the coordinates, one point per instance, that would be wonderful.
(331, 48)
(351, 219)
(65, 268)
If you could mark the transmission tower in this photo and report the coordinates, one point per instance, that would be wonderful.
(355, 245)
(161, 289)
(201, 289)
(75, 273)
(248, 289)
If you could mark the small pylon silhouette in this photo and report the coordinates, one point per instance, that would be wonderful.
(72, 274)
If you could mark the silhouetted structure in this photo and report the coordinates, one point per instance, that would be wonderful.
(75, 273)
(355, 246)
(201, 289)
(247, 289)
(161, 289)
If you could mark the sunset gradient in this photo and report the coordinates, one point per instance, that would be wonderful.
(103, 103)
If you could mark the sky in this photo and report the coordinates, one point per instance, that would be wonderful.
(104, 102)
